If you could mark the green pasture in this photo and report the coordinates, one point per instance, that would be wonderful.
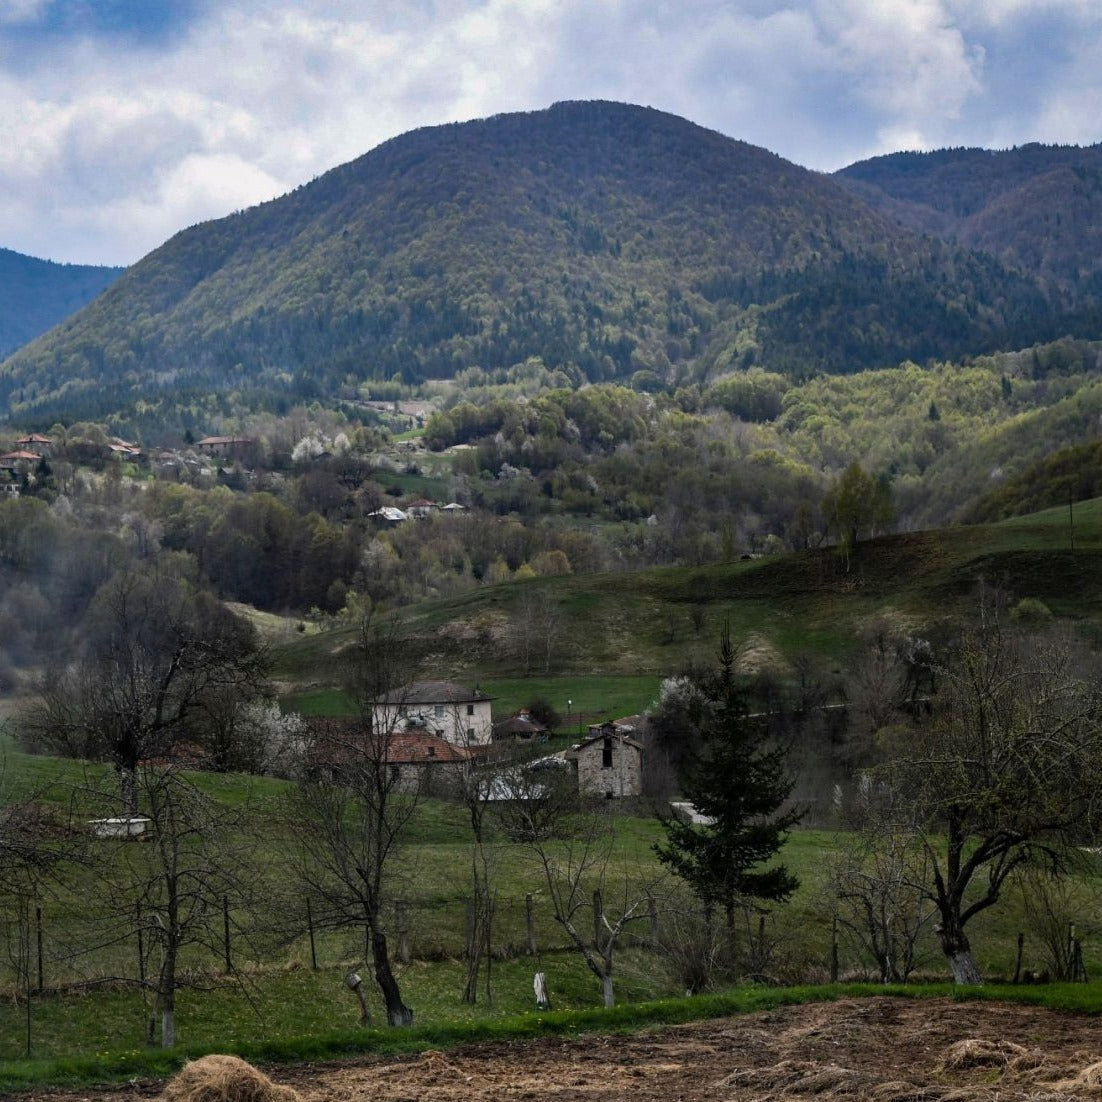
(88, 1011)
(652, 623)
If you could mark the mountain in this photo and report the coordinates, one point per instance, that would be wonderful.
(36, 294)
(1036, 207)
(610, 241)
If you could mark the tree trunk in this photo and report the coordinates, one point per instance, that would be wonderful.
(606, 989)
(397, 1012)
(957, 950)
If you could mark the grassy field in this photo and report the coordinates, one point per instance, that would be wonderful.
(622, 634)
(89, 1009)
(646, 625)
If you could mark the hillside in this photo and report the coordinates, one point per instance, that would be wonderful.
(781, 608)
(1036, 207)
(37, 294)
(609, 241)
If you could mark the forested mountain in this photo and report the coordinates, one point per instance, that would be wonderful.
(36, 294)
(1036, 207)
(612, 242)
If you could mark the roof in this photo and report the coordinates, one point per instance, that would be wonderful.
(21, 455)
(523, 725)
(608, 730)
(388, 512)
(34, 438)
(432, 692)
(349, 742)
(416, 747)
(212, 441)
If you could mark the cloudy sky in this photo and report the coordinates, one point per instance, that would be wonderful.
(124, 121)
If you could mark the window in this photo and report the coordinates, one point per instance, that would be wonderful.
(606, 753)
(470, 709)
(470, 734)
(438, 710)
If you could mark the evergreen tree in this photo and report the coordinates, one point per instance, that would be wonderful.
(741, 784)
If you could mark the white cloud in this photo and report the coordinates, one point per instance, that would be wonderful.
(110, 148)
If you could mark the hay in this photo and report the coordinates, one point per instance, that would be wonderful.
(975, 1052)
(224, 1079)
(900, 1090)
(1090, 1078)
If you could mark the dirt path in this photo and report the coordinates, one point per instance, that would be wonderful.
(880, 1050)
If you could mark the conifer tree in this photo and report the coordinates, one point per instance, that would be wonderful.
(739, 782)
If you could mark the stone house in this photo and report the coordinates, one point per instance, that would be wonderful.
(609, 762)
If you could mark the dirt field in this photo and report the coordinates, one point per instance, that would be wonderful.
(881, 1050)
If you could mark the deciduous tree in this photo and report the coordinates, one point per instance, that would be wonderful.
(1007, 770)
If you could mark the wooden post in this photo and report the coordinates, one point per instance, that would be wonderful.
(834, 950)
(530, 923)
(38, 936)
(227, 958)
(1078, 968)
(402, 916)
(598, 914)
(310, 929)
(1018, 958)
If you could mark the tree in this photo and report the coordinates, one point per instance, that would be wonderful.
(875, 881)
(175, 890)
(571, 845)
(740, 785)
(1006, 771)
(354, 807)
(157, 652)
(857, 503)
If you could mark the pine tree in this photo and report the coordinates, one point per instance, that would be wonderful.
(740, 783)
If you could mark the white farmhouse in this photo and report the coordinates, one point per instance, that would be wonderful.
(443, 708)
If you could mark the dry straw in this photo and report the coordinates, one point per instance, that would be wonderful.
(224, 1079)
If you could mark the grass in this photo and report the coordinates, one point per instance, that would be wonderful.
(593, 699)
(648, 624)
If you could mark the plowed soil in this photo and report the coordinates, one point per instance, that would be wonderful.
(876, 1049)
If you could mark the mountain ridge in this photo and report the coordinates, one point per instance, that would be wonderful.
(610, 241)
(37, 294)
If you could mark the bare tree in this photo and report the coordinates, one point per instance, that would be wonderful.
(156, 652)
(1058, 911)
(476, 797)
(537, 629)
(354, 807)
(877, 882)
(176, 890)
(572, 846)
(1005, 771)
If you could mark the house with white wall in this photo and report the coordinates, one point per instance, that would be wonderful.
(446, 709)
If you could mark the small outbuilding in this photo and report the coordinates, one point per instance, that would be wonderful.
(609, 762)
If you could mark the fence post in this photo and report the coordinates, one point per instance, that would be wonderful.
(310, 929)
(38, 936)
(598, 914)
(834, 950)
(530, 923)
(1018, 957)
